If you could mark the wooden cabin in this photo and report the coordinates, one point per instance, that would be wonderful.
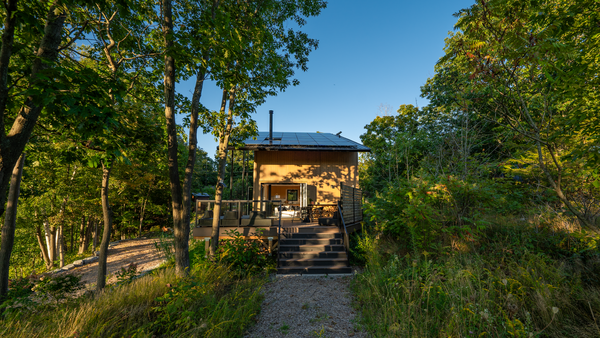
(301, 180)
(303, 168)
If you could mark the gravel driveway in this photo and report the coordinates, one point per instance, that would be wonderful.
(140, 251)
(306, 306)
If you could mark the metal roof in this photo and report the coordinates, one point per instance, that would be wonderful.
(302, 141)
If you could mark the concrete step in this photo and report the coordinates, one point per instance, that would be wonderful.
(311, 241)
(313, 254)
(318, 248)
(320, 270)
(293, 262)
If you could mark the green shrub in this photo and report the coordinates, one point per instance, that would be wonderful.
(57, 288)
(17, 299)
(211, 302)
(126, 275)
(243, 255)
(519, 281)
(430, 212)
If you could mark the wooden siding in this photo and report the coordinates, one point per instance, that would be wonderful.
(322, 171)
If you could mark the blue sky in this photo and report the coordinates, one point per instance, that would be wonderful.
(371, 54)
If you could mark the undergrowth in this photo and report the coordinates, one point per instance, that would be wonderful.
(215, 300)
(517, 280)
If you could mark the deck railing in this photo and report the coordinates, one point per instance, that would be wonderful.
(344, 230)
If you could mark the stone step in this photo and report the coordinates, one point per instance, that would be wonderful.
(313, 254)
(306, 262)
(304, 248)
(314, 270)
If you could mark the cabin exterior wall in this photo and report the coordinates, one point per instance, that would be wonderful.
(322, 171)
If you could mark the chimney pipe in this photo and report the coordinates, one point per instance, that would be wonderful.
(270, 126)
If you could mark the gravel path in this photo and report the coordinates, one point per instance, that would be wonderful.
(140, 251)
(303, 306)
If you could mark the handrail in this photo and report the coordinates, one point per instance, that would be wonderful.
(346, 238)
(279, 235)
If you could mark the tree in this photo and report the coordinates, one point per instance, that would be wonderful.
(13, 143)
(533, 71)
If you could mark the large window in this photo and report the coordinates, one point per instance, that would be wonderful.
(292, 195)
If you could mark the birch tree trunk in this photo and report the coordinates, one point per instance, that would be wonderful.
(43, 247)
(107, 213)
(81, 235)
(8, 228)
(50, 240)
(61, 246)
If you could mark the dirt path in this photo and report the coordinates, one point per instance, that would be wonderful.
(301, 306)
(140, 251)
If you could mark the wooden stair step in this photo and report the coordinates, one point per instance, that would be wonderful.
(313, 254)
(304, 248)
(314, 235)
(314, 270)
(290, 262)
(316, 241)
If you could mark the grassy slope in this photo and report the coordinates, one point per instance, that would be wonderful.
(211, 303)
(517, 281)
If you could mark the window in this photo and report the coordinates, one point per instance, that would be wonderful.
(292, 195)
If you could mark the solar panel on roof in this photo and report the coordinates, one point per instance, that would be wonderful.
(283, 140)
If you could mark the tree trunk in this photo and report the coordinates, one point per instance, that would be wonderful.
(176, 193)
(61, 246)
(231, 177)
(71, 248)
(13, 143)
(244, 174)
(142, 212)
(50, 242)
(107, 213)
(189, 168)
(88, 234)
(223, 142)
(81, 235)
(95, 235)
(43, 247)
(8, 228)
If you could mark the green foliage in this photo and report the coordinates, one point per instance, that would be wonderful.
(243, 255)
(164, 245)
(503, 287)
(126, 275)
(58, 287)
(211, 302)
(429, 211)
(17, 299)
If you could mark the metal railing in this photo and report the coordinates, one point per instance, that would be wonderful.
(279, 235)
(242, 208)
(345, 231)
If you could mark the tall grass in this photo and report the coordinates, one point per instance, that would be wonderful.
(211, 302)
(518, 281)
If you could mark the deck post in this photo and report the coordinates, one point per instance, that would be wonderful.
(270, 245)
(206, 246)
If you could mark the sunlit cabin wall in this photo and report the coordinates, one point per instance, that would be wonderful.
(322, 171)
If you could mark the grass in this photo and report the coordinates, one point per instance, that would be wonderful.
(519, 280)
(284, 329)
(214, 301)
